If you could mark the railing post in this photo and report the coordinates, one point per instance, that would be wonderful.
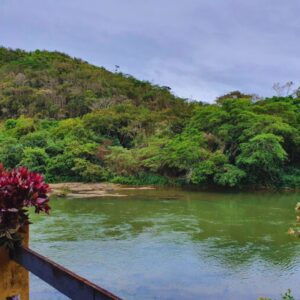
(14, 279)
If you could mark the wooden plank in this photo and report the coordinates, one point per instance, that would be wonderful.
(65, 281)
(14, 279)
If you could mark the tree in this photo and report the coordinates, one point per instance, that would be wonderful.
(35, 159)
(262, 158)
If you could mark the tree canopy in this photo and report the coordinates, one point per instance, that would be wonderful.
(73, 121)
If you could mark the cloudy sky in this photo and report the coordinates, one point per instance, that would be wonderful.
(200, 48)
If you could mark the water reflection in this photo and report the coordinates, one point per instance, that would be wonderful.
(167, 243)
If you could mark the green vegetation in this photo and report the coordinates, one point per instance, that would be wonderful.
(285, 296)
(76, 122)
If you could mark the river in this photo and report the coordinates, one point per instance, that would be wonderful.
(174, 244)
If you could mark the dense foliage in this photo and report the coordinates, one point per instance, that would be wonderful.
(19, 189)
(75, 122)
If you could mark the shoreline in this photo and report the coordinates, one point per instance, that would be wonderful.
(92, 190)
(107, 189)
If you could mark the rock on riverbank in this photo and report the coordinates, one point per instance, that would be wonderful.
(92, 190)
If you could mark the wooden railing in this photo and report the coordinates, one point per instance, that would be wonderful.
(14, 276)
(65, 281)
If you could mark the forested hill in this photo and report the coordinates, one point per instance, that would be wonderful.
(73, 121)
(54, 85)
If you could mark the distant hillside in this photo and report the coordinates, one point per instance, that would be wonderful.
(55, 85)
(72, 121)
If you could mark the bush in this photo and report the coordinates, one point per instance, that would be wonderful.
(88, 171)
(19, 189)
(141, 179)
(35, 159)
(291, 178)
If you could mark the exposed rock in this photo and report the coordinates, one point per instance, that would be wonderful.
(91, 190)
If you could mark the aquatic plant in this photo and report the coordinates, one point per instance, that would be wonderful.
(286, 296)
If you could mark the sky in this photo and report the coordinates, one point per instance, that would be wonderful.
(200, 48)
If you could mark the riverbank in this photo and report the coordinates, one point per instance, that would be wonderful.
(93, 190)
(107, 189)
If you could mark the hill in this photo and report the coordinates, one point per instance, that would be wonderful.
(76, 122)
(54, 85)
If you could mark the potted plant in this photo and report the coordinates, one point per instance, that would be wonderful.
(19, 190)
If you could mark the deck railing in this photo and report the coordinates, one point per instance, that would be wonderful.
(14, 277)
(62, 279)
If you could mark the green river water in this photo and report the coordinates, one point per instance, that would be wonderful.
(174, 244)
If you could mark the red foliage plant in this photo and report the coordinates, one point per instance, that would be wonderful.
(19, 189)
